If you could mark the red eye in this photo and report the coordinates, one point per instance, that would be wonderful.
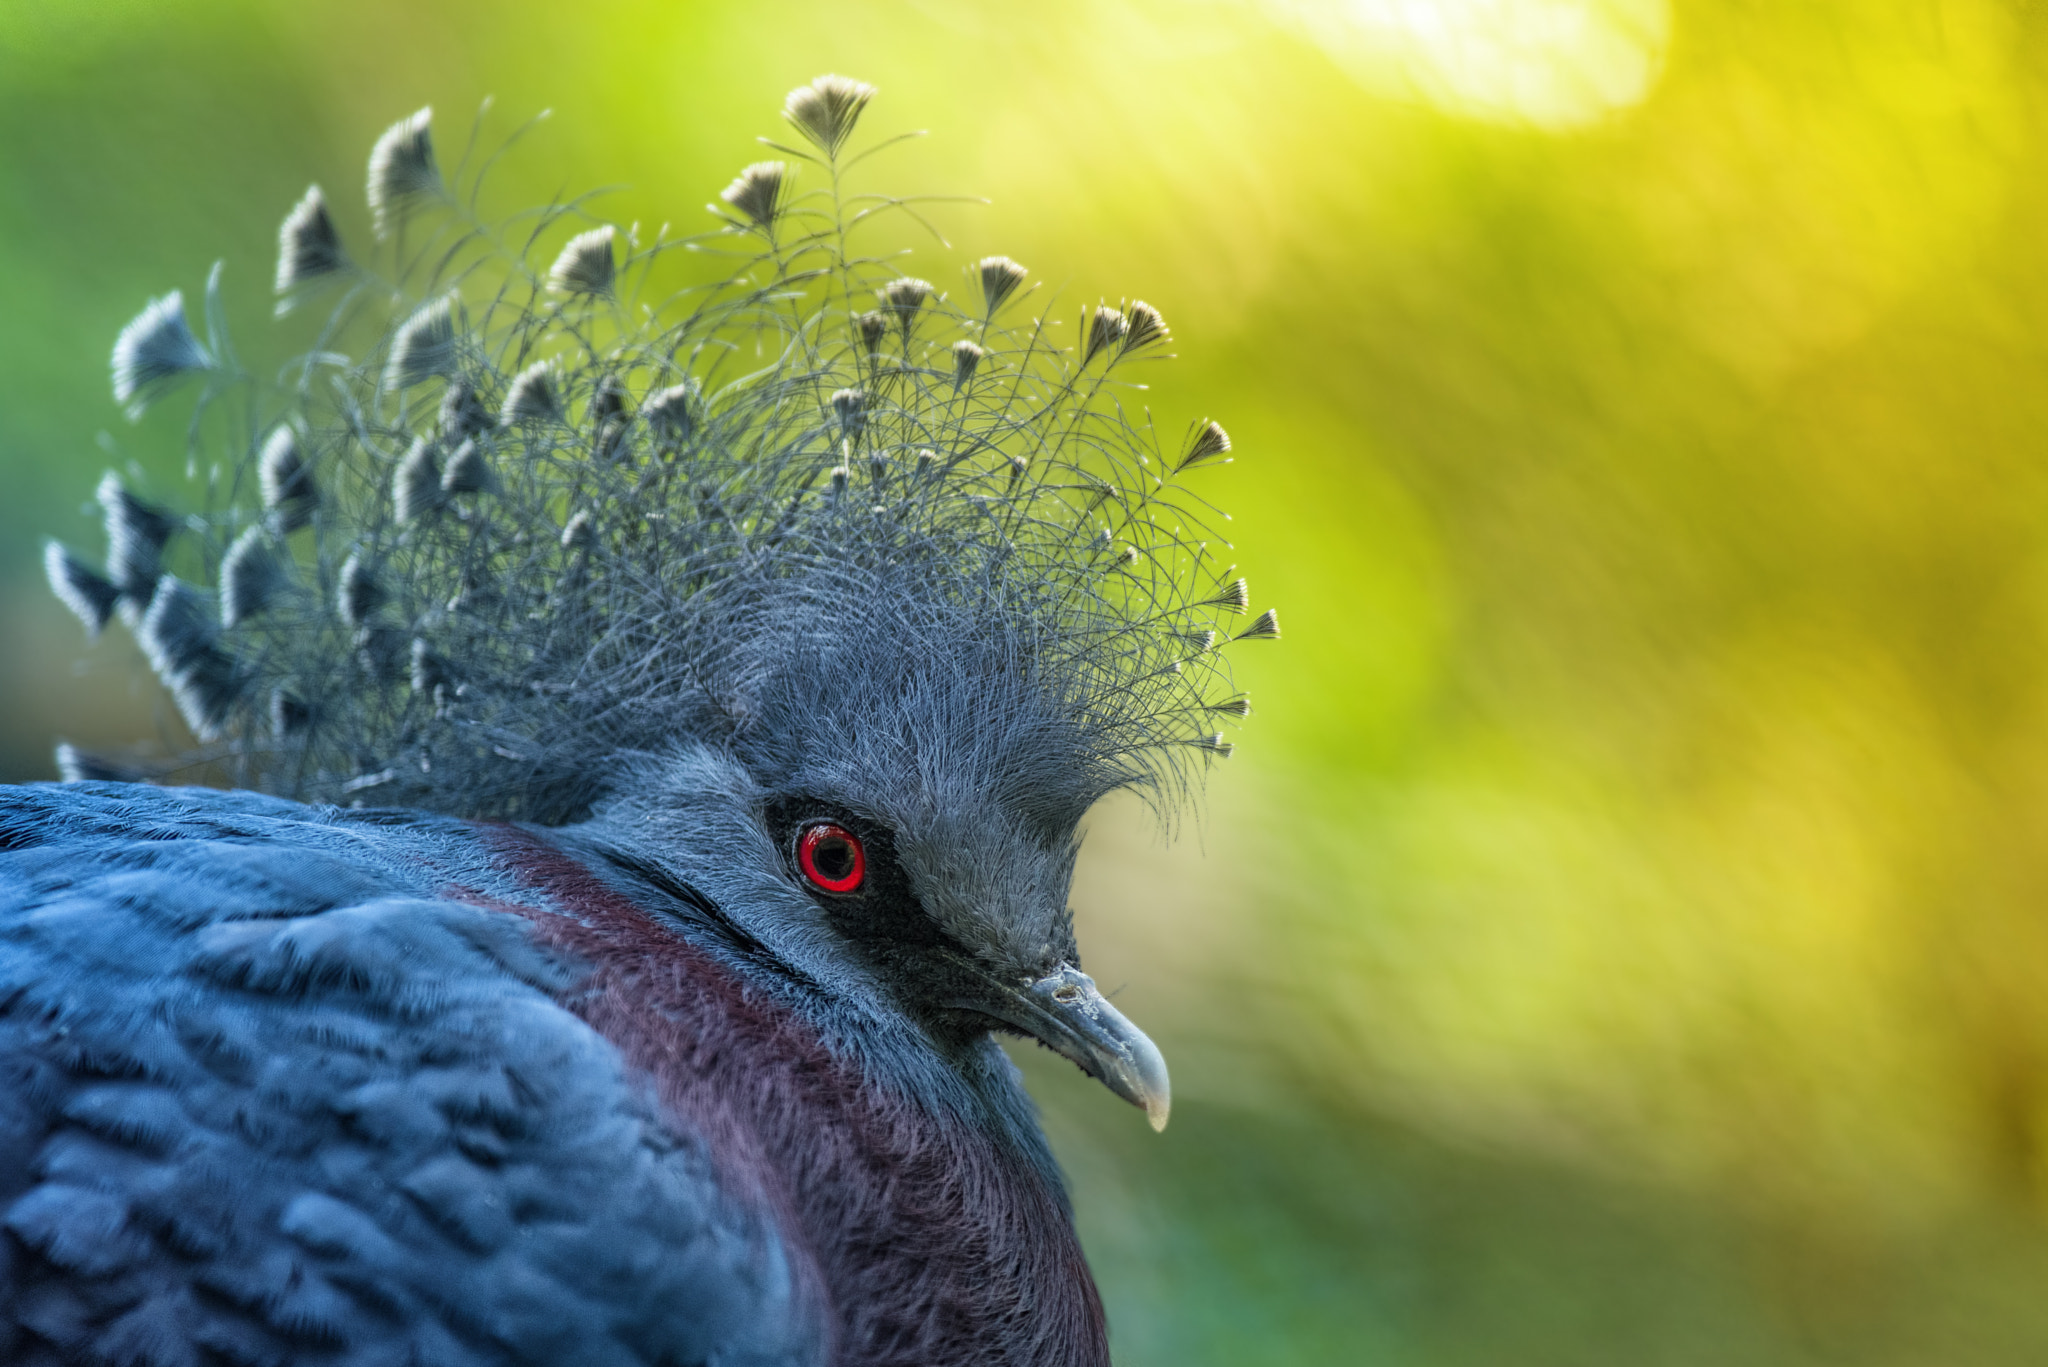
(832, 858)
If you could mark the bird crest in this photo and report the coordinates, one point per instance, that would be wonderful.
(550, 490)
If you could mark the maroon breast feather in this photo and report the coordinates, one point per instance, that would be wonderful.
(935, 1242)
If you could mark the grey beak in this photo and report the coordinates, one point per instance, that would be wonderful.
(1065, 1012)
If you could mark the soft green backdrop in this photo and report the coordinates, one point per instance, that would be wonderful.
(1622, 936)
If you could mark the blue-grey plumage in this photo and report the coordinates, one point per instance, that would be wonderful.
(270, 1095)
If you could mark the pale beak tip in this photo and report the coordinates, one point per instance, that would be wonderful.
(1153, 1089)
(1066, 1012)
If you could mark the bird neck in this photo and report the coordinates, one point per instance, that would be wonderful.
(921, 1205)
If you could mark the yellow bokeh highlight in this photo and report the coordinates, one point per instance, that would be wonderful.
(1555, 65)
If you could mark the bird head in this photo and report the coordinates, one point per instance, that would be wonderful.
(897, 815)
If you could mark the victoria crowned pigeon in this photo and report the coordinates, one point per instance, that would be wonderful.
(646, 691)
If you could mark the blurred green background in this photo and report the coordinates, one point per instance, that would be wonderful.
(1622, 936)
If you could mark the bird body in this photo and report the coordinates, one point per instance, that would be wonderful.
(318, 1085)
(731, 663)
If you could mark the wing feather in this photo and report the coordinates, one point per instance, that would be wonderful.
(264, 1097)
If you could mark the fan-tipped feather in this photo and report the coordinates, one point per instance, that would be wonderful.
(287, 481)
(79, 588)
(250, 577)
(154, 352)
(136, 535)
(180, 639)
(403, 172)
(308, 247)
(586, 265)
(826, 110)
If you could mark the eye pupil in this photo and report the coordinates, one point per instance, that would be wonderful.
(832, 858)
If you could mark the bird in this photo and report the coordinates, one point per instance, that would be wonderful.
(645, 693)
